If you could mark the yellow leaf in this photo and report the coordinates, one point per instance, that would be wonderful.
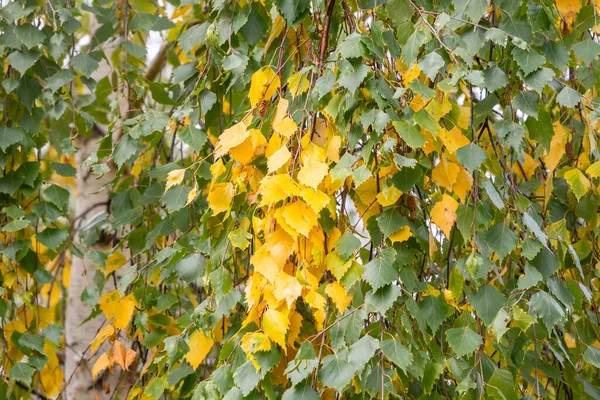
(119, 354)
(557, 147)
(333, 149)
(250, 148)
(270, 258)
(568, 9)
(300, 217)
(463, 184)
(115, 261)
(445, 173)
(191, 196)
(298, 84)
(295, 326)
(412, 74)
(174, 177)
(336, 265)
(200, 345)
(281, 111)
(263, 85)
(230, 138)
(276, 188)
(275, 325)
(130, 358)
(102, 335)
(121, 309)
(388, 196)
(315, 198)
(287, 288)
(99, 366)
(453, 139)
(220, 196)
(51, 379)
(217, 169)
(401, 235)
(278, 25)
(578, 182)
(338, 294)
(443, 213)
(312, 173)
(594, 170)
(278, 159)
(286, 127)
(257, 341)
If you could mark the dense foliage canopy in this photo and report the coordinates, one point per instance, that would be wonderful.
(307, 199)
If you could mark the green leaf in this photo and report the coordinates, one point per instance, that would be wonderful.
(463, 340)
(60, 79)
(494, 78)
(435, 311)
(347, 245)
(592, 356)
(502, 385)
(175, 198)
(85, 64)
(528, 103)
(381, 270)
(397, 353)
(336, 371)
(22, 60)
(510, 133)
(473, 9)
(16, 225)
(361, 175)
(64, 169)
(126, 150)
(291, 10)
(194, 35)
(546, 308)
(587, 50)
(303, 364)
(431, 64)
(539, 79)
(52, 238)
(21, 372)
(568, 97)
(53, 333)
(501, 239)
(9, 136)
(409, 134)
(352, 46)
(471, 156)
(57, 196)
(29, 35)
(399, 11)
(10, 182)
(531, 277)
(383, 299)
(32, 342)
(528, 60)
(487, 302)
(426, 121)
(352, 75)
(556, 54)
(362, 351)
(301, 392)
(390, 221)
(190, 268)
